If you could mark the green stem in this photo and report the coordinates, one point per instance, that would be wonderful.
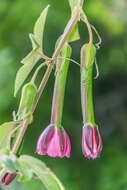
(84, 19)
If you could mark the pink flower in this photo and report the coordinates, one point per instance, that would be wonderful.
(91, 142)
(54, 142)
(8, 178)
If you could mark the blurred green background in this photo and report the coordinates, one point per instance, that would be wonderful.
(17, 18)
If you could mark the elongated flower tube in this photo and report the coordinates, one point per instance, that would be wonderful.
(91, 139)
(8, 178)
(54, 141)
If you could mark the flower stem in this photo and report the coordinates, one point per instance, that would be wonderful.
(84, 18)
(37, 70)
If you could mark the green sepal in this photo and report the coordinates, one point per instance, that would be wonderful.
(90, 124)
(88, 52)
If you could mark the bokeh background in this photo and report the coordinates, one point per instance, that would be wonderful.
(17, 18)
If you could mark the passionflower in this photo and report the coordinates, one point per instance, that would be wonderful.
(8, 178)
(54, 142)
(91, 142)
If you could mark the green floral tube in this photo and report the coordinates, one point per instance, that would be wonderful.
(59, 88)
(91, 139)
(88, 52)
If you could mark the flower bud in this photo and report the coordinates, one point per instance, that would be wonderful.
(91, 142)
(27, 97)
(54, 142)
(8, 178)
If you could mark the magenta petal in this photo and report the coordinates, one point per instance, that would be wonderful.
(91, 142)
(54, 146)
(44, 140)
(60, 144)
(68, 145)
(54, 142)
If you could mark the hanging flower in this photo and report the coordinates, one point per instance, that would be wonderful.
(91, 142)
(54, 142)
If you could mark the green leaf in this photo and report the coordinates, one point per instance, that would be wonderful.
(5, 129)
(39, 26)
(35, 43)
(30, 60)
(46, 176)
(73, 3)
(32, 57)
(74, 35)
(24, 71)
(8, 163)
(26, 173)
(33, 184)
